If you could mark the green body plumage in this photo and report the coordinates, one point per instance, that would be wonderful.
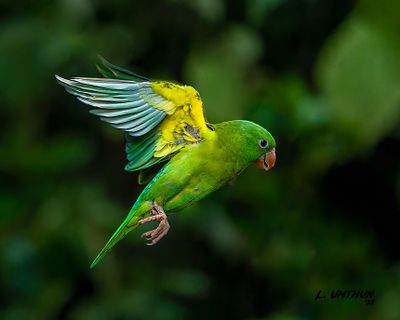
(196, 171)
(165, 122)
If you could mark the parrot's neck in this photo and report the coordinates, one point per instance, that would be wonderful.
(232, 145)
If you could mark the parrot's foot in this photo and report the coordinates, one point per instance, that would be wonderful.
(158, 214)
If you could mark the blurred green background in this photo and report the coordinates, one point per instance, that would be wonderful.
(322, 75)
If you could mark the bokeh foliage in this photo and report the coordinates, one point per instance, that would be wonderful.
(322, 76)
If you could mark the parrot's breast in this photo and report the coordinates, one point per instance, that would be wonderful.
(193, 173)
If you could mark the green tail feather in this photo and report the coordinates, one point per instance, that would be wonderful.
(116, 237)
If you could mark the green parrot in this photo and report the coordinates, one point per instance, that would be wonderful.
(165, 123)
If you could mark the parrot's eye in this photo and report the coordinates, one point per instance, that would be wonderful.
(263, 144)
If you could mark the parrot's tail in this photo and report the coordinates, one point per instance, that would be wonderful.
(130, 223)
(118, 235)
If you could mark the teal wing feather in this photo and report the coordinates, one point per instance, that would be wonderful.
(140, 152)
(122, 104)
(117, 102)
(138, 106)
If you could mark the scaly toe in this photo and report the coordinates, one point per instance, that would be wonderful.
(157, 217)
(147, 235)
(155, 235)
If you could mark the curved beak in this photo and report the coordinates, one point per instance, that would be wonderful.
(267, 161)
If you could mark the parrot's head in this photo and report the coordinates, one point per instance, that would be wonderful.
(262, 146)
(252, 142)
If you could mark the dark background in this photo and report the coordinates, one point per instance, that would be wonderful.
(323, 76)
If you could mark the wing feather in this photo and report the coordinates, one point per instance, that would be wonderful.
(159, 117)
(147, 126)
(139, 111)
(117, 117)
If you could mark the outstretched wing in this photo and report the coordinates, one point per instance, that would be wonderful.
(159, 117)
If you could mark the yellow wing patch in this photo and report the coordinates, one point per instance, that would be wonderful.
(159, 117)
(185, 122)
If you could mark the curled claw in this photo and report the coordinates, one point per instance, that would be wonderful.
(155, 235)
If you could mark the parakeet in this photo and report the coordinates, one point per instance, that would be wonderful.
(165, 123)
